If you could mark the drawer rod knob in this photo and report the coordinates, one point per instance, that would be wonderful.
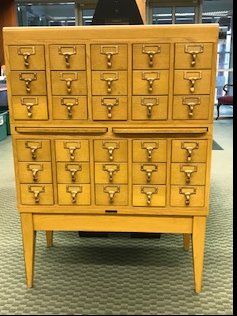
(36, 190)
(149, 191)
(187, 192)
(111, 190)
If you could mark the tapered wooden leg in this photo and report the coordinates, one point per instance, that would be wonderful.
(186, 241)
(198, 238)
(28, 237)
(49, 238)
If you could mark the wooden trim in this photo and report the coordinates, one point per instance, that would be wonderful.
(62, 130)
(118, 130)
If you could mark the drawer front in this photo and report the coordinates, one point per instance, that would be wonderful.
(27, 57)
(37, 194)
(28, 83)
(33, 150)
(69, 82)
(150, 108)
(151, 56)
(66, 57)
(30, 108)
(149, 150)
(72, 194)
(194, 107)
(149, 173)
(73, 172)
(188, 173)
(109, 83)
(110, 108)
(193, 55)
(187, 196)
(70, 108)
(144, 195)
(31, 172)
(192, 81)
(150, 82)
(111, 173)
(111, 150)
(189, 150)
(72, 150)
(109, 57)
(110, 194)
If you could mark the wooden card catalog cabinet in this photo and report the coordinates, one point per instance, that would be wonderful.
(112, 130)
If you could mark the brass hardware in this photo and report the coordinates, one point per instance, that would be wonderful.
(73, 169)
(111, 169)
(109, 51)
(28, 77)
(191, 102)
(192, 77)
(149, 103)
(187, 192)
(149, 169)
(74, 190)
(26, 52)
(35, 169)
(109, 78)
(149, 191)
(188, 170)
(189, 146)
(151, 51)
(69, 103)
(36, 190)
(150, 77)
(193, 50)
(72, 147)
(29, 102)
(69, 80)
(110, 146)
(111, 190)
(110, 103)
(67, 52)
(33, 146)
(149, 146)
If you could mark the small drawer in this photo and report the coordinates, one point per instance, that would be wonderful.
(109, 83)
(188, 173)
(192, 81)
(194, 107)
(70, 108)
(150, 82)
(27, 57)
(69, 82)
(28, 82)
(149, 195)
(189, 150)
(37, 194)
(30, 108)
(110, 108)
(111, 173)
(150, 108)
(33, 150)
(193, 55)
(72, 194)
(111, 194)
(149, 173)
(109, 57)
(149, 150)
(73, 172)
(187, 196)
(151, 56)
(111, 150)
(34, 172)
(72, 150)
(67, 57)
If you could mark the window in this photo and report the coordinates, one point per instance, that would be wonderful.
(87, 16)
(184, 15)
(162, 15)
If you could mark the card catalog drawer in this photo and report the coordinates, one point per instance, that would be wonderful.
(149, 150)
(72, 194)
(30, 108)
(110, 108)
(150, 108)
(110, 150)
(70, 108)
(149, 195)
(69, 82)
(189, 150)
(72, 150)
(111, 173)
(150, 82)
(188, 173)
(37, 194)
(34, 172)
(33, 150)
(73, 172)
(109, 83)
(149, 173)
(28, 83)
(187, 196)
(111, 194)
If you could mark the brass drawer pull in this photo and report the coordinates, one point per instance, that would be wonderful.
(65, 77)
(187, 192)
(109, 78)
(189, 148)
(149, 191)
(149, 169)
(73, 190)
(188, 170)
(110, 146)
(69, 103)
(26, 52)
(150, 77)
(73, 169)
(191, 103)
(149, 146)
(111, 169)
(28, 77)
(193, 50)
(67, 52)
(109, 103)
(33, 146)
(151, 51)
(149, 103)
(72, 147)
(111, 190)
(192, 77)
(36, 190)
(109, 51)
(35, 170)
(29, 102)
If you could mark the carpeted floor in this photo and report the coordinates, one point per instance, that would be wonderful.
(119, 275)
